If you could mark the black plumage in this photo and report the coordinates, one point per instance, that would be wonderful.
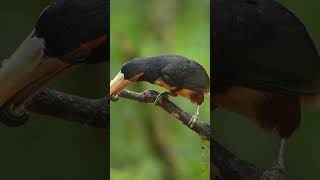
(179, 75)
(67, 24)
(265, 67)
(261, 44)
(175, 73)
(68, 33)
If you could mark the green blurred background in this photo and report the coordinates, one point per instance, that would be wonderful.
(250, 143)
(146, 142)
(48, 148)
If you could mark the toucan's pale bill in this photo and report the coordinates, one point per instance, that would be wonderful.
(118, 83)
(26, 72)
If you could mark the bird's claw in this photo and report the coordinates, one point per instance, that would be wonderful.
(151, 91)
(274, 173)
(114, 97)
(159, 98)
(193, 120)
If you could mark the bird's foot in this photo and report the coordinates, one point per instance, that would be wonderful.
(274, 173)
(160, 96)
(114, 97)
(194, 118)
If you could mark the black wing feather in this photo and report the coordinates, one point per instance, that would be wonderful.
(260, 44)
(186, 74)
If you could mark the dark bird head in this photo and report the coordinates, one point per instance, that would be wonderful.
(143, 69)
(134, 70)
(137, 69)
(164, 70)
(67, 34)
(75, 30)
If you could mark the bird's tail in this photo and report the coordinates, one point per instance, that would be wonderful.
(27, 71)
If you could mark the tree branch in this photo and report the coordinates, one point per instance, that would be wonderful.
(226, 164)
(96, 113)
(149, 96)
(229, 167)
(71, 108)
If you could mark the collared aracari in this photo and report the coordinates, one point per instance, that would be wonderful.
(265, 65)
(179, 75)
(67, 34)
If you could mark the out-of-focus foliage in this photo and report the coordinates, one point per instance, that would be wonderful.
(302, 158)
(146, 142)
(47, 148)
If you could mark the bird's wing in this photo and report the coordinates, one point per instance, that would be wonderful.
(186, 75)
(260, 44)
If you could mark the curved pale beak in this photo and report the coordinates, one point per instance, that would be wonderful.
(118, 83)
(27, 72)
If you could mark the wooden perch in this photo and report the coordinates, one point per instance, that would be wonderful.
(96, 113)
(226, 164)
(149, 96)
(71, 108)
(229, 167)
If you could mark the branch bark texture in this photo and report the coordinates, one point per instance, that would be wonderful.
(95, 112)
(71, 108)
(149, 96)
(226, 164)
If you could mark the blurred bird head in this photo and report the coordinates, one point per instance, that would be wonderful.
(67, 34)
